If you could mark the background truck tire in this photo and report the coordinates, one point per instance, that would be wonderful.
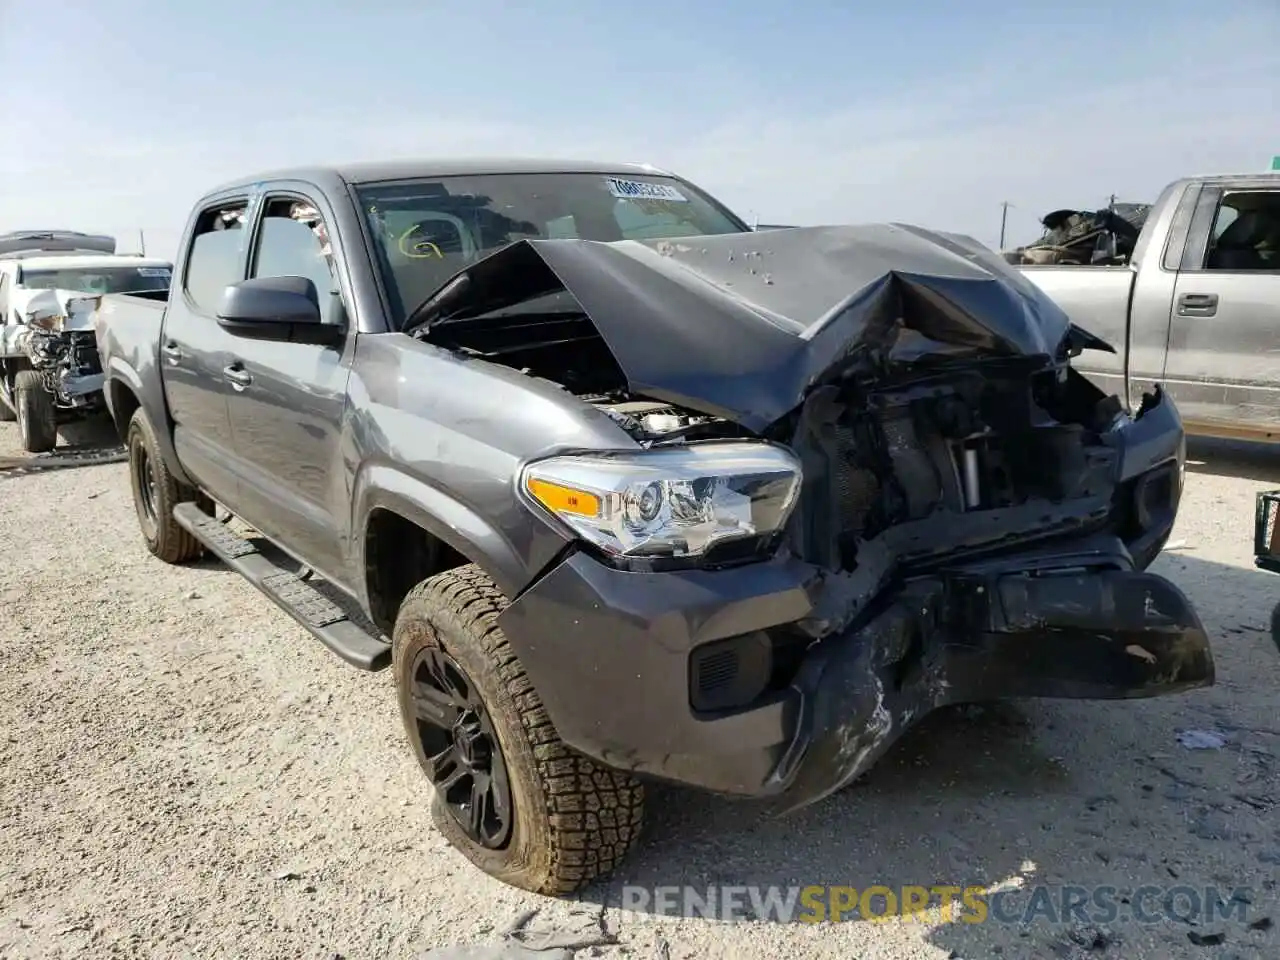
(155, 493)
(37, 418)
(573, 821)
(7, 413)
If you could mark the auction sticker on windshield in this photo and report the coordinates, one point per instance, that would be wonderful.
(152, 272)
(635, 190)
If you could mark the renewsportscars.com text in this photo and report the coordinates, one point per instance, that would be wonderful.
(966, 904)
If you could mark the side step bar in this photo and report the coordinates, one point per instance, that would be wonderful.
(315, 612)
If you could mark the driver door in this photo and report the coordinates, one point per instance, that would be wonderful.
(1224, 327)
(287, 400)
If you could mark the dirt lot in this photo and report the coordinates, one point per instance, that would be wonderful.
(183, 772)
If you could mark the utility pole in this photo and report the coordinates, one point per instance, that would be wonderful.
(142, 243)
(1004, 219)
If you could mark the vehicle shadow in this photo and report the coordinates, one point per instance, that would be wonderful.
(1095, 796)
(1234, 458)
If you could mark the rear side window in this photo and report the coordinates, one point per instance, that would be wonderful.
(216, 255)
(1246, 232)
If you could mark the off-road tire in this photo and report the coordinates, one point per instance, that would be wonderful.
(37, 417)
(574, 820)
(163, 535)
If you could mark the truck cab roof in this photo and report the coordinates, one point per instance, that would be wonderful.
(388, 170)
(1252, 179)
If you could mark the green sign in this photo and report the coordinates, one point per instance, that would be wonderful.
(1275, 163)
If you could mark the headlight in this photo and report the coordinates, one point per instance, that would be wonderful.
(670, 502)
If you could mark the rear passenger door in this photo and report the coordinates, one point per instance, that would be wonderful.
(1222, 366)
(195, 351)
(286, 410)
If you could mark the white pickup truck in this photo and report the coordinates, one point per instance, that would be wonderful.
(49, 367)
(1197, 307)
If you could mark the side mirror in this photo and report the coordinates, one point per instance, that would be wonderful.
(285, 309)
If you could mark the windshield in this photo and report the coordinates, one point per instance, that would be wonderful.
(96, 280)
(429, 230)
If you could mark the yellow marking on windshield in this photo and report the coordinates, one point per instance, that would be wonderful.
(413, 251)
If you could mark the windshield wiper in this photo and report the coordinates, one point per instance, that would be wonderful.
(534, 316)
(425, 314)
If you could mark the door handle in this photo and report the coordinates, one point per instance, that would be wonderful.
(1197, 305)
(237, 376)
(171, 352)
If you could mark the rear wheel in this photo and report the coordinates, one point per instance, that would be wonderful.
(155, 493)
(508, 793)
(36, 415)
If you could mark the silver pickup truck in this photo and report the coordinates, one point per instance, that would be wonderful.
(1197, 307)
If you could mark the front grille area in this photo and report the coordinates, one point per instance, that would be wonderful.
(857, 493)
(974, 444)
(82, 354)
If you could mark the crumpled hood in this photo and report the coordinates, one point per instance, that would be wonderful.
(744, 325)
(76, 307)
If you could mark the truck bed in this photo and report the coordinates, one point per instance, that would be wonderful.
(128, 330)
(1097, 299)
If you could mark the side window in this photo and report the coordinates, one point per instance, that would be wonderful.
(1246, 232)
(214, 260)
(293, 241)
(1225, 217)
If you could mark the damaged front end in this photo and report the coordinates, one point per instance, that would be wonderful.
(975, 518)
(58, 341)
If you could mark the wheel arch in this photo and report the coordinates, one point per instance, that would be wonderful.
(125, 393)
(407, 530)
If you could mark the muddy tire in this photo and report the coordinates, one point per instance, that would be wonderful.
(507, 792)
(37, 417)
(155, 493)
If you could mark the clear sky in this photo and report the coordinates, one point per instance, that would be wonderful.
(116, 115)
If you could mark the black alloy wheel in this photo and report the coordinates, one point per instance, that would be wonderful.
(454, 739)
(144, 479)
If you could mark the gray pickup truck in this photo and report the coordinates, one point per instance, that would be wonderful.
(626, 490)
(1197, 308)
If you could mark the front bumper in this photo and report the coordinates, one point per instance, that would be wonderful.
(622, 660)
(83, 391)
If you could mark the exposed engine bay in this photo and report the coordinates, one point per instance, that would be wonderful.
(650, 422)
(935, 412)
(934, 462)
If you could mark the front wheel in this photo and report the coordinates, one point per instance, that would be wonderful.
(36, 414)
(155, 493)
(508, 793)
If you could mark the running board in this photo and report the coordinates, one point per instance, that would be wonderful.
(315, 612)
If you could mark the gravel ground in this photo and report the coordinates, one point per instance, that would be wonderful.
(183, 772)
